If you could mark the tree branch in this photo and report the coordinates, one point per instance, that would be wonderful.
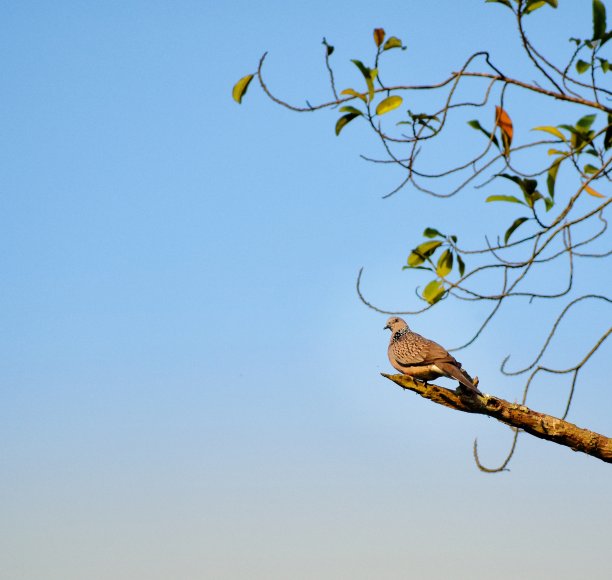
(516, 415)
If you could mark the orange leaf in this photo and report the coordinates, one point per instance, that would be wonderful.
(592, 192)
(379, 36)
(502, 120)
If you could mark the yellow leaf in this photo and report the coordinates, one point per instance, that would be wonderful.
(393, 42)
(379, 36)
(433, 291)
(240, 88)
(388, 104)
(354, 93)
(552, 130)
(592, 192)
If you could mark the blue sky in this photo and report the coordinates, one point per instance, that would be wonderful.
(190, 386)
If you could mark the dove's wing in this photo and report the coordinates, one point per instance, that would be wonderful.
(427, 351)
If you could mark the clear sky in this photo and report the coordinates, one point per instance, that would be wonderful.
(190, 387)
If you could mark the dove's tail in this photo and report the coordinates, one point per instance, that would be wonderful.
(460, 375)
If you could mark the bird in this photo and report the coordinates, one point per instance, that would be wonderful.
(423, 359)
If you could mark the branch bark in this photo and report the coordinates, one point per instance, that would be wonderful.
(537, 424)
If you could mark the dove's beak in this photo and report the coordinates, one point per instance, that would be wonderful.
(387, 327)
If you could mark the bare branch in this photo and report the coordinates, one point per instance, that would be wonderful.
(518, 416)
(505, 462)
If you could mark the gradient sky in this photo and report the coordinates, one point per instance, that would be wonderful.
(190, 385)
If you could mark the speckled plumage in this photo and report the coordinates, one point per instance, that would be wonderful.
(421, 358)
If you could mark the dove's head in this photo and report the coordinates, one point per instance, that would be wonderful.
(394, 324)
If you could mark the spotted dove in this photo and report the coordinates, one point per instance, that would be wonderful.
(423, 359)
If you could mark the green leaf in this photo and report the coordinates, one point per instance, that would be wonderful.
(461, 265)
(240, 88)
(605, 65)
(504, 2)
(549, 203)
(365, 71)
(514, 178)
(581, 139)
(551, 178)
(328, 47)
(599, 20)
(476, 125)
(568, 128)
(349, 109)
(532, 198)
(533, 5)
(422, 118)
(432, 233)
(368, 74)
(433, 291)
(445, 264)
(552, 130)
(588, 168)
(388, 104)
(509, 198)
(393, 42)
(528, 187)
(582, 66)
(608, 135)
(515, 224)
(344, 121)
(584, 124)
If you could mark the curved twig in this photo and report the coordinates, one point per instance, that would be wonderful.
(505, 462)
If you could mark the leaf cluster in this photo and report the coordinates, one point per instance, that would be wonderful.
(422, 258)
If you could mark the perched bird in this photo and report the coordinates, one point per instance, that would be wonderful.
(423, 359)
